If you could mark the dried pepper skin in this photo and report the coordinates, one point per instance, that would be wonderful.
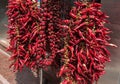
(85, 53)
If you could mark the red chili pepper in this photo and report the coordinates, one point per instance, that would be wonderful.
(81, 25)
(71, 50)
(15, 14)
(77, 22)
(66, 21)
(66, 82)
(77, 3)
(61, 71)
(78, 78)
(63, 26)
(22, 48)
(23, 6)
(73, 15)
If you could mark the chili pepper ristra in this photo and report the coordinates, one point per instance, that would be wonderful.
(85, 53)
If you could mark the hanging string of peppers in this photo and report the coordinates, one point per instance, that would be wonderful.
(40, 38)
(33, 36)
(22, 19)
(85, 52)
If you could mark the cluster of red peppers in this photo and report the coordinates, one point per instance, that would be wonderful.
(85, 52)
(22, 19)
(40, 38)
(33, 32)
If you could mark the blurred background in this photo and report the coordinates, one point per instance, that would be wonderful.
(112, 76)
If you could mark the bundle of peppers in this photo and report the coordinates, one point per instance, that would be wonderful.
(22, 19)
(84, 52)
(33, 33)
(40, 38)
